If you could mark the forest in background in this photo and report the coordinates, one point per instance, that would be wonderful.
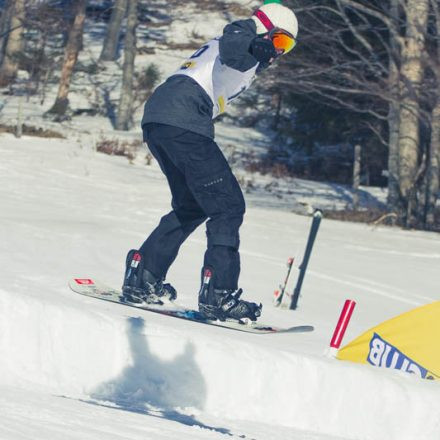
(361, 87)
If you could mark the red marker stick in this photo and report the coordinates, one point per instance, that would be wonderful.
(341, 326)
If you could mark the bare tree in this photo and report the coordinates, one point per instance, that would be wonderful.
(44, 23)
(110, 46)
(5, 23)
(14, 44)
(411, 79)
(356, 175)
(433, 174)
(393, 110)
(433, 185)
(124, 116)
(369, 57)
(70, 57)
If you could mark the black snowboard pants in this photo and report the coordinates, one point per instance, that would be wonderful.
(203, 188)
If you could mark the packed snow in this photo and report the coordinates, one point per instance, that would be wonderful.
(79, 368)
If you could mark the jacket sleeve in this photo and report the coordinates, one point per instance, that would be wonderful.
(234, 45)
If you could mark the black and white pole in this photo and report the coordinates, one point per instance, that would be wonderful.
(317, 216)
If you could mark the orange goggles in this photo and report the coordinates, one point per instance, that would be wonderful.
(282, 40)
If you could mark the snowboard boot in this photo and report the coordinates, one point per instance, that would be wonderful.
(223, 304)
(141, 286)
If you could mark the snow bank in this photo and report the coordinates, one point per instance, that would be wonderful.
(68, 211)
(133, 359)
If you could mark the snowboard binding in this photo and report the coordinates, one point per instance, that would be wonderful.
(225, 304)
(141, 286)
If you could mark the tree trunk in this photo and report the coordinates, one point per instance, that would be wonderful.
(393, 118)
(393, 156)
(14, 45)
(5, 23)
(110, 47)
(411, 75)
(277, 100)
(124, 118)
(356, 175)
(433, 185)
(72, 49)
(19, 126)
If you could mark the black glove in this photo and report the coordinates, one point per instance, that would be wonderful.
(262, 49)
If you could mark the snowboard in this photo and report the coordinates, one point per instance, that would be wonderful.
(96, 289)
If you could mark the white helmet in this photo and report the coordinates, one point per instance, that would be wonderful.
(280, 16)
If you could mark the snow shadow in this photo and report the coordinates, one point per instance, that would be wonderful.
(149, 380)
(174, 416)
(155, 387)
(346, 193)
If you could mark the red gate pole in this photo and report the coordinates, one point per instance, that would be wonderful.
(341, 326)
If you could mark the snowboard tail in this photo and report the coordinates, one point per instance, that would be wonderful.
(96, 289)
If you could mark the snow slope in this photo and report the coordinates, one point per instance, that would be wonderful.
(74, 367)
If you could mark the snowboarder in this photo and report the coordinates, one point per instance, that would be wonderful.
(178, 128)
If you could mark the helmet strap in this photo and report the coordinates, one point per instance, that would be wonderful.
(264, 19)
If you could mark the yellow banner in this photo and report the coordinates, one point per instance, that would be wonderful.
(409, 342)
